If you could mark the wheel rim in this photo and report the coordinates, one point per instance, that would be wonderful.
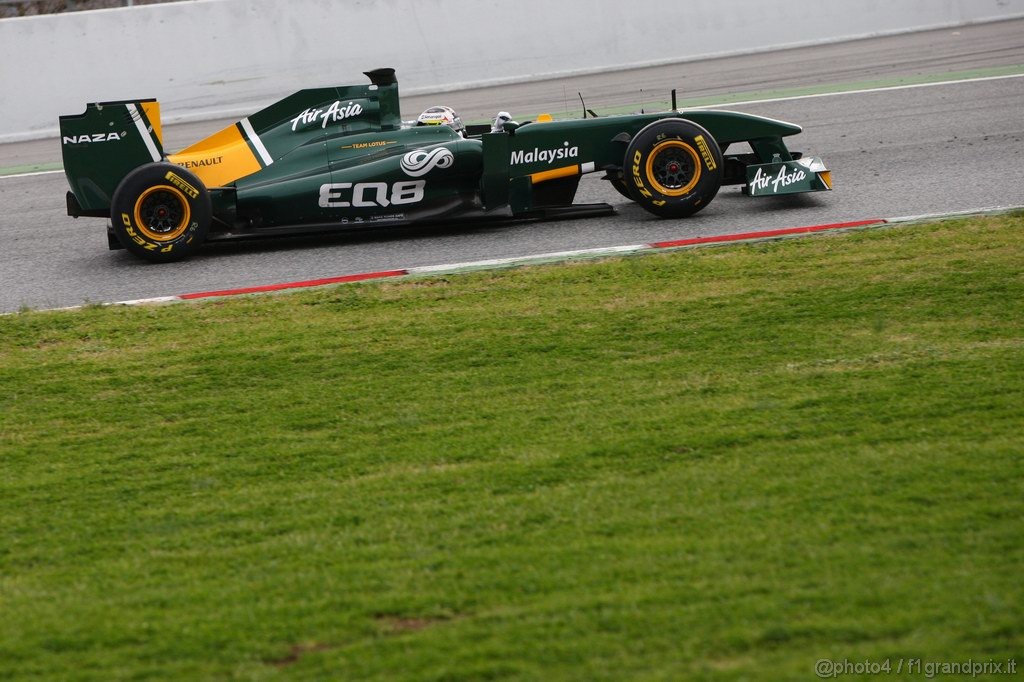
(162, 213)
(673, 167)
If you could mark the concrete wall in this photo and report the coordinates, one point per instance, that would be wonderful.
(211, 57)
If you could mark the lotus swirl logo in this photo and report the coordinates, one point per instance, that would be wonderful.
(420, 162)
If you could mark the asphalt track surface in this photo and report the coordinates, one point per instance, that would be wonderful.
(946, 147)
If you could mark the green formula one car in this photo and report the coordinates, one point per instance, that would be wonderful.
(341, 158)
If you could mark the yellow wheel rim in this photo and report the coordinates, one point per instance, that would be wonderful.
(673, 167)
(162, 213)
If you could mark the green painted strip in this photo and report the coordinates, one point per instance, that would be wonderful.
(31, 168)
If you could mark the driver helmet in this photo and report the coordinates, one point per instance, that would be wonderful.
(437, 116)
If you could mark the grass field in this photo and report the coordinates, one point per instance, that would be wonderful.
(725, 464)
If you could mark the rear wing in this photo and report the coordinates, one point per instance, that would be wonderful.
(103, 145)
(108, 141)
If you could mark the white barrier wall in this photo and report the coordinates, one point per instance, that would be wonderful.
(207, 57)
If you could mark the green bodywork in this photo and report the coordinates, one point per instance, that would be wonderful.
(102, 146)
(330, 157)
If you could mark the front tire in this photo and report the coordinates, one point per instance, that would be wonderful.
(161, 212)
(673, 168)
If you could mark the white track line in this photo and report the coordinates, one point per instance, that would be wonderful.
(29, 175)
(494, 263)
(888, 88)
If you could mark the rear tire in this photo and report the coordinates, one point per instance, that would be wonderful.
(673, 168)
(161, 212)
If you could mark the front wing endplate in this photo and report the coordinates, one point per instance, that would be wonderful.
(807, 174)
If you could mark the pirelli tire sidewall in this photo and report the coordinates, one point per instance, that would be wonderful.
(673, 168)
(161, 212)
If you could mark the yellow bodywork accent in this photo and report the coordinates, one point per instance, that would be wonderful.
(219, 159)
(544, 176)
(545, 118)
(152, 111)
(826, 177)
